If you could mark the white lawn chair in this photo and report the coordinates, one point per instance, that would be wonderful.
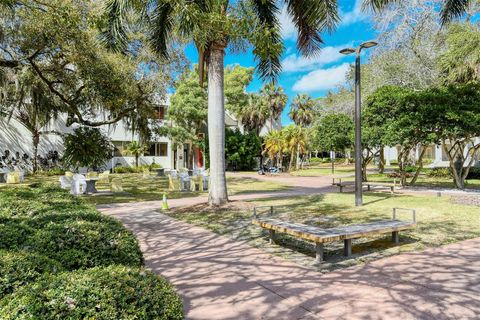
(184, 181)
(65, 182)
(79, 185)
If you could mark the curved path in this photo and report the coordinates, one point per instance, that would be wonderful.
(219, 278)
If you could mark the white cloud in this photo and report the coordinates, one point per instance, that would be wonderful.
(353, 16)
(288, 28)
(322, 79)
(294, 63)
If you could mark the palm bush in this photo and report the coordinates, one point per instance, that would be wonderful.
(86, 147)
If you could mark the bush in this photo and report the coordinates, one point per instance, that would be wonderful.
(13, 233)
(20, 268)
(474, 173)
(115, 292)
(82, 244)
(439, 173)
(45, 231)
(138, 169)
(51, 222)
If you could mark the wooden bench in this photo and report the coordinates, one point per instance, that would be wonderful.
(369, 185)
(380, 184)
(346, 233)
(339, 178)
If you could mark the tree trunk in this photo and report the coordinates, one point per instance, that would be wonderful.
(420, 166)
(381, 163)
(216, 126)
(35, 141)
(297, 163)
(136, 160)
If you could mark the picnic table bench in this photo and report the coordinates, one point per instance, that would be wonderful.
(346, 233)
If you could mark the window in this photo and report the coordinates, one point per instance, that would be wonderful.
(158, 149)
(160, 113)
(429, 153)
(120, 148)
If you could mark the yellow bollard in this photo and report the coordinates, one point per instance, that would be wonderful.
(165, 203)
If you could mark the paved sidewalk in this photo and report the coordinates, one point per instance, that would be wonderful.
(219, 278)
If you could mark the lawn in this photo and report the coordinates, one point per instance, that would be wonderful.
(439, 222)
(423, 179)
(139, 189)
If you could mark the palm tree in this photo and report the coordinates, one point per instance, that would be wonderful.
(451, 9)
(213, 25)
(136, 149)
(296, 141)
(275, 99)
(34, 108)
(274, 146)
(302, 110)
(254, 115)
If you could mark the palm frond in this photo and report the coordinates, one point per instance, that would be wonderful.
(162, 25)
(453, 9)
(311, 18)
(267, 42)
(116, 34)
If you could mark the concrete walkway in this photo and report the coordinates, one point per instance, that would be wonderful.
(219, 278)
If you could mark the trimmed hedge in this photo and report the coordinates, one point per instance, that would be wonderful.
(61, 259)
(83, 244)
(20, 268)
(115, 292)
(51, 222)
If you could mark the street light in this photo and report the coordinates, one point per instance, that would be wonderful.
(358, 116)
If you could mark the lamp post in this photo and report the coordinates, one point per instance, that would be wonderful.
(358, 116)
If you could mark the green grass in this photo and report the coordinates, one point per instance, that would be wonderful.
(423, 180)
(439, 222)
(139, 189)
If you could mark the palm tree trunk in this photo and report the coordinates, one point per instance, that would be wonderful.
(216, 126)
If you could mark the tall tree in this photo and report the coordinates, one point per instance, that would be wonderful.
(214, 25)
(302, 110)
(275, 99)
(460, 63)
(57, 42)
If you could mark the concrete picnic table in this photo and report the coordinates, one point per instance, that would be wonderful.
(91, 185)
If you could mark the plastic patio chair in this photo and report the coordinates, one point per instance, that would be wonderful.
(104, 177)
(79, 185)
(65, 182)
(13, 177)
(173, 183)
(116, 185)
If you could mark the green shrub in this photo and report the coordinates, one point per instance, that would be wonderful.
(439, 173)
(115, 292)
(138, 169)
(20, 268)
(13, 233)
(474, 173)
(82, 244)
(38, 200)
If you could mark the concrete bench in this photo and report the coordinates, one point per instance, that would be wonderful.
(346, 233)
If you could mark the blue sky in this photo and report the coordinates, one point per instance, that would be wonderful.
(321, 73)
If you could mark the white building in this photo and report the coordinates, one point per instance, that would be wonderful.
(15, 138)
